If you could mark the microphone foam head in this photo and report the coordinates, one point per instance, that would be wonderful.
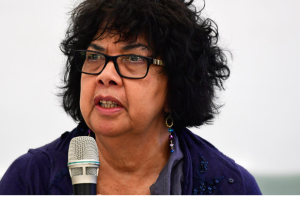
(83, 148)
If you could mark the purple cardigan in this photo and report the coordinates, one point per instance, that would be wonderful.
(206, 170)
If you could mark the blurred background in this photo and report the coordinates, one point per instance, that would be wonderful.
(258, 126)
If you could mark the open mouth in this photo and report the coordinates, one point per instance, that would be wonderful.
(108, 104)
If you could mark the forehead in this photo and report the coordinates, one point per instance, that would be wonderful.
(104, 41)
(117, 37)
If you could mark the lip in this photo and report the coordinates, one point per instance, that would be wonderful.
(106, 98)
(107, 111)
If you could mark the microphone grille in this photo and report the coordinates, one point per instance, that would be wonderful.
(82, 148)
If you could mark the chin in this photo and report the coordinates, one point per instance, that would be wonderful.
(107, 129)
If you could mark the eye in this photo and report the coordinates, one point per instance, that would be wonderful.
(135, 58)
(94, 57)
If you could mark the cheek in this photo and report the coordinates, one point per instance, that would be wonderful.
(149, 94)
(86, 96)
(159, 86)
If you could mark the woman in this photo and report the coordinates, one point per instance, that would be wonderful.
(138, 73)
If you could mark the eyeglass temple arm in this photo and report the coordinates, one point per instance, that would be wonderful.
(158, 62)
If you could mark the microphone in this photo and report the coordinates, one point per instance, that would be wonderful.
(83, 163)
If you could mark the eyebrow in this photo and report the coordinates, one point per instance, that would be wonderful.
(131, 46)
(96, 47)
(126, 47)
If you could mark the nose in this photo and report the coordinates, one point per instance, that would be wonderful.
(109, 76)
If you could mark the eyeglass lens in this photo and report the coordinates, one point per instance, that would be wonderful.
(133, 66)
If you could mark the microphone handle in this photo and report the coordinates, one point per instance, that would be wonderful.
(85, 189)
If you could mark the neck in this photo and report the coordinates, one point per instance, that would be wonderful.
(131, 152)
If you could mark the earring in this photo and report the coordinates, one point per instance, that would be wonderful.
(170, 119)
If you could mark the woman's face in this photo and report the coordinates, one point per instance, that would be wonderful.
(141, 102)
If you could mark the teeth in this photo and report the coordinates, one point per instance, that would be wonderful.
(108, 104)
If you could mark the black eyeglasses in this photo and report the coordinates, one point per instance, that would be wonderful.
(128, 66)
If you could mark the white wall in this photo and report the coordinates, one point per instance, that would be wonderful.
(258, 126)
(31, 66)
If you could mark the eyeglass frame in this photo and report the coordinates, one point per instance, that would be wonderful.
(114, 59)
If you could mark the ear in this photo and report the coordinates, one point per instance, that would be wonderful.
(166, 108)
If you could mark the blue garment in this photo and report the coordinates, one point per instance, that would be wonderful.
(206, 170)
(171, 176)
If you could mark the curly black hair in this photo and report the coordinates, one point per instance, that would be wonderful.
(187, 42)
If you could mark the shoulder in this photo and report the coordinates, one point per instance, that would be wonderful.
(40, 171)
(28, 174)
(249, 182)
(211, 171)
